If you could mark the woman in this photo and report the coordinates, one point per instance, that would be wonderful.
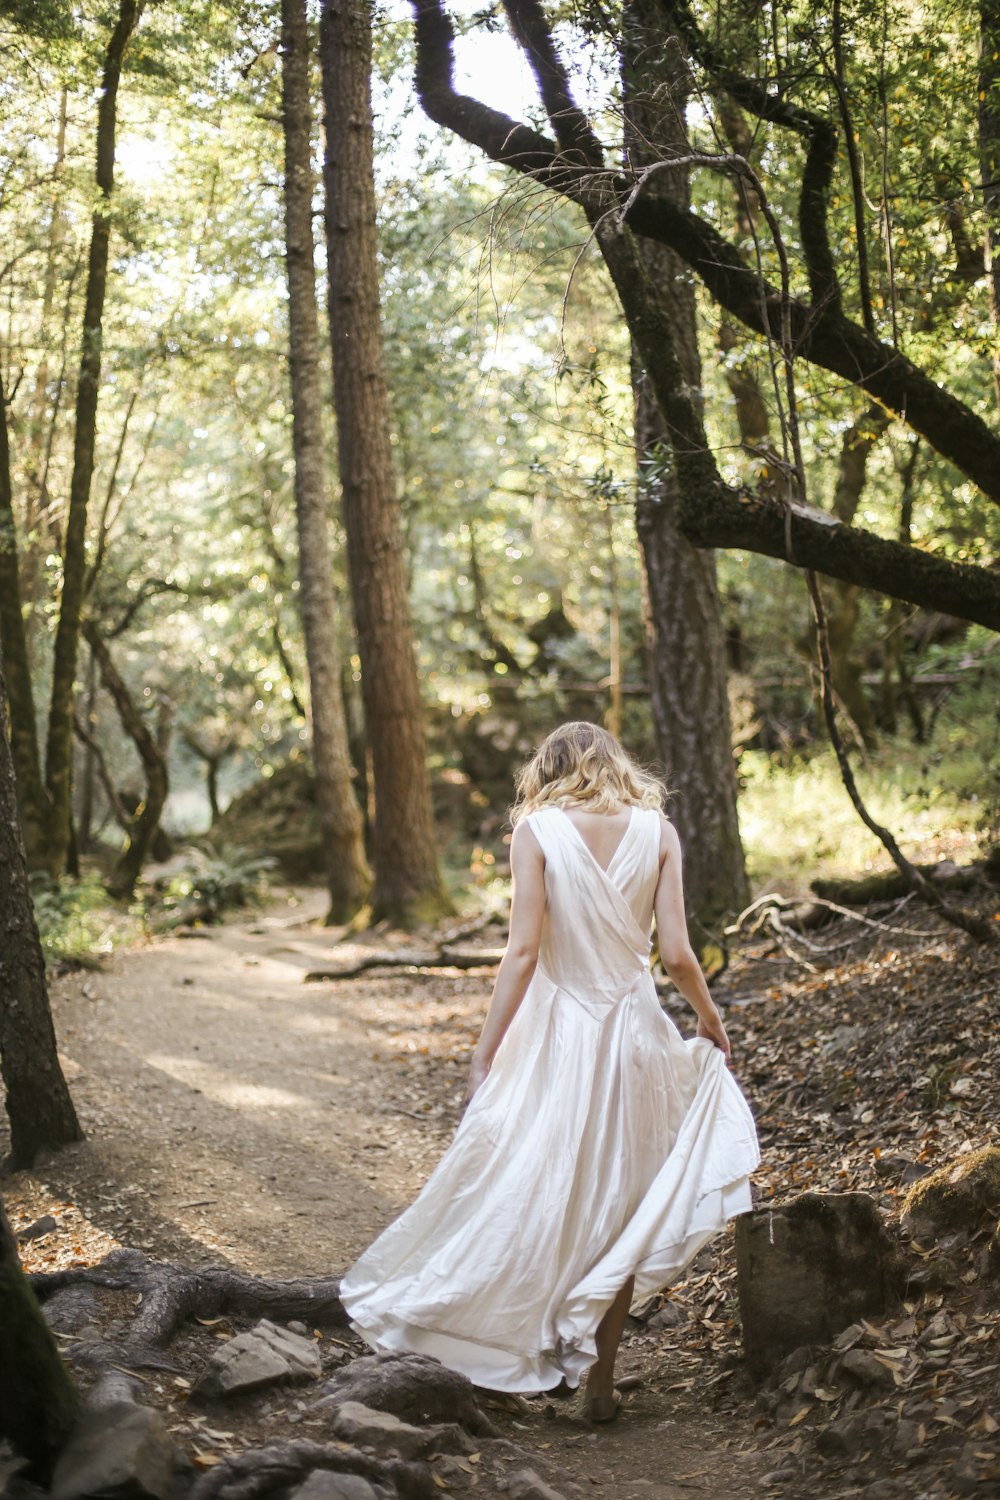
(599, 1150)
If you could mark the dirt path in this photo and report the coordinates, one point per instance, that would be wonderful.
(231, 1108)
(233, 1111)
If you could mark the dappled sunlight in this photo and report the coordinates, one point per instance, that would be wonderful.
(238, 1095)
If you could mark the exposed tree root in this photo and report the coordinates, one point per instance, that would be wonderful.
(260, 1471)
(422, 958)
(412, 1387)
(170, 1295)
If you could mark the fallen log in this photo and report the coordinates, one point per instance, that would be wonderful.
(409, 958)
(891, 885)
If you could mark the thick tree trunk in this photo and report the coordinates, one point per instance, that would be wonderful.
(348, 877)
(989, 157)
(143, 826)
(687, 654)
(38, 1400)
(59, 750)
(39, 1107)
(407, 878)
(13, 640)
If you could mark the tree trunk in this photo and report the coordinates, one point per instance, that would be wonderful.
(989, 157)
(88, 781)
(39, 1107)
(408, 884)
(143, 826)
(687, 653)
(39, 1404)
(13, 640)
(59, 751)
(842, 619)
(37, 521)
(348, 877)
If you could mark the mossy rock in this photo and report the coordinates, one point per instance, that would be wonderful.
(960, 1195)
(277, 816)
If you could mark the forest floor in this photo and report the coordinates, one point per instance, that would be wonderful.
(237, 1113)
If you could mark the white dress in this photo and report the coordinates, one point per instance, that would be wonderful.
(601, 1144)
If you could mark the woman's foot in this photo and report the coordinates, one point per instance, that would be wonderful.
(603, 1408)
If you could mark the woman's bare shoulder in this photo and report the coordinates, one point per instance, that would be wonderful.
(523, 841)
(670, 844)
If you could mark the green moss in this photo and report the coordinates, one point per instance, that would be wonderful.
(958, 1195)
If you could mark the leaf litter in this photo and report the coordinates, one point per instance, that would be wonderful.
(867, 1066)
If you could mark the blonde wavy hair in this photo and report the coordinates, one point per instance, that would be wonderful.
(582, 763)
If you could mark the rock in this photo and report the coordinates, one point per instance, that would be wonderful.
(881, 1489)
(119, 1450)
(935, 1274)
(45, 1225)
(865, 1370)
(253, 1359)
(113, 1389)
(411, 1386)
(850, 1437)
(668, 1316)
(365, 1427)
(806, 1269)
(906, 1437)
(958, 1195)
(800, 1359)
(525, 1484)
(11, 1464)
(325, 1484)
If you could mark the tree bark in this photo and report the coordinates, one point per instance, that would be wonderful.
(31, 800)
(59, 750)
(39, 1404)
(144, 824)
(989, 157)
(687, 657)
(348, 877)
(39, 1107)
(37, 520)
(408, 884)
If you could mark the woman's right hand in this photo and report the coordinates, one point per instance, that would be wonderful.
(712, 1029)
(478, 1073)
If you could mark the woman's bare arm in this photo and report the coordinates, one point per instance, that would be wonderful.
(527, 908)
(676, 954)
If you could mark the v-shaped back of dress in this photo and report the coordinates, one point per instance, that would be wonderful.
(595, 939)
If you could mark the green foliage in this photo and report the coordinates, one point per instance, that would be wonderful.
(509, 374)
(77, 923)
(941, 797)
(211, 884)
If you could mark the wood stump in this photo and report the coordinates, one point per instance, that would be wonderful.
(808, 1268)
